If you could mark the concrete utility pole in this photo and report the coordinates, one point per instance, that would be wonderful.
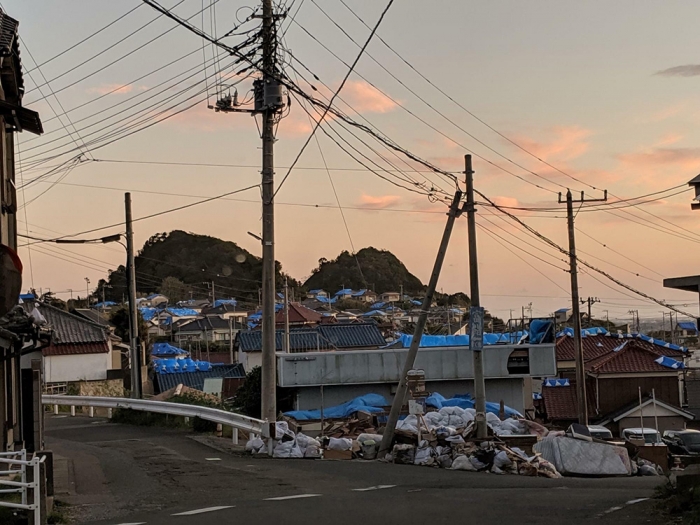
(286, 316)
(402, 389)
(133, 316)
(479, 382)
(590, 301)
(87, 292)
(269, 364)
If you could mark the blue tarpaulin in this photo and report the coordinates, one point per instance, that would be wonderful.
(106, 304)
(164, 349)
(219, 302)
(541, 331)
(173, 366)
(669, 362)
(569, 332)
(367, 403)
(428, 341)
(438, 401)
(148, 313)
(182, 312)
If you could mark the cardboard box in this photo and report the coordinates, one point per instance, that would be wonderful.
(337, 454)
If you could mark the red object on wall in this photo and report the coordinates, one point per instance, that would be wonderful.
(10, 278)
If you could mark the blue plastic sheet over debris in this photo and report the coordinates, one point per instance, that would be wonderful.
(438, 401)
(368, 403)
(165, 349)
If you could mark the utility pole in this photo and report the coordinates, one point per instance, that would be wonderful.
(230, 338)
(402, 389)
(578, 346)
(479, 382)
(663, 326)
(133, 316)
(590, 301)
(213, 294)
(286, 317)
(87, 292)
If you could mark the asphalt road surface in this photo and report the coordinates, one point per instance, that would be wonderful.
(116, 474)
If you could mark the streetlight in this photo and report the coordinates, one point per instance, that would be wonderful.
(695, 183)
(87, 292)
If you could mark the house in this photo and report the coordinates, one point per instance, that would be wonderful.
(225, 310)
(366, 296)
(154, 300)
(316, 293)
(80, 350)
(390, 297)
(298, 316)
(563, 315)
(324, 337)
(616, 367)
(211, 328)
(96, 316)
(13, 118)
(230, 377)
(345, 293)
(686, 330)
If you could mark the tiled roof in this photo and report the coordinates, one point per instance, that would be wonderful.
(75, 349)
(213, 322)
(595, 346)
(561, 402)
(71, 329)
(633, 357)
(196, 379)
(360, 335)
(323, 337)
(299, 314)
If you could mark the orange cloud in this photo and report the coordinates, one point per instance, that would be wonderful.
(684, 158)
(670, 138)
(505, 201)
(379, 202)
(366, 99)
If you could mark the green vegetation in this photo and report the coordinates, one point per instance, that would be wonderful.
(120, 320)
(247, 399)
(382, 271)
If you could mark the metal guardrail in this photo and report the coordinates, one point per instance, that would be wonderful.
(19, 459)
(235, 421)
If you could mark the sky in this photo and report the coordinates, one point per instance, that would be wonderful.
(551, 95)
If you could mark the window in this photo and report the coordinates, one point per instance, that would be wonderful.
(519, 362)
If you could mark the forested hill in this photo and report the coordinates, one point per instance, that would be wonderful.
(178, 263)
(379, 270)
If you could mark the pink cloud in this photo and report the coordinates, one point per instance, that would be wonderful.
(669, 138)
(116, 89)
(505, 201)
(683, 158)
(366, 99)
(568, 143)
(379, 202)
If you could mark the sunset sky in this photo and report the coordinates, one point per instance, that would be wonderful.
(606, 92)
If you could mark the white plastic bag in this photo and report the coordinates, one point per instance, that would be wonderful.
(424, 454)
(287, 449)
(340, 444)
(501, 460)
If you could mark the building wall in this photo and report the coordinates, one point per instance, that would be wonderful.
(509, 390)
(617, 392)
(82, 367)
(250, 360)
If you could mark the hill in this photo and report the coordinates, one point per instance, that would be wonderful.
(185, 262)
(382, 271)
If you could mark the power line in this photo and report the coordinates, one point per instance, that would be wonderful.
(342, 84)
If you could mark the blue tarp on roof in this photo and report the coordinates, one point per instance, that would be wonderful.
(688, 325)
(164, 349)
(344, 291)
(326, 300)
(562, 310)
(182, 312)
(374, 313)
(367, 403)
(417, 303)
(569, 332)
(378, 306)
(316, 290)
(153, 296)
(220, 302)
(106, 304)
(466, 401)
(359, 293)
(27, 296)
(657, 342)
(148, 313)
(556, 382)
(173, 366)
(669, 362)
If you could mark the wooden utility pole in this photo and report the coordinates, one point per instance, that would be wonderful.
(479, 382)
(402, 389)
(578, 346)
(133, 315)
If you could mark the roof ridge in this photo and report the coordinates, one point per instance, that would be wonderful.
(73, 316)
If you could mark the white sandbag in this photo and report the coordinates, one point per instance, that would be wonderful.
(433, 419)
(478, 465)
(369, 437)
(492, 418)
(340, 444)
(462, 463)
(305, 441)
(455, 439)
(408, 424)
(312, 451)
(282, 430)
(254, 445)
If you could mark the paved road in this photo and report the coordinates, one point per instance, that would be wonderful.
(114, 474)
